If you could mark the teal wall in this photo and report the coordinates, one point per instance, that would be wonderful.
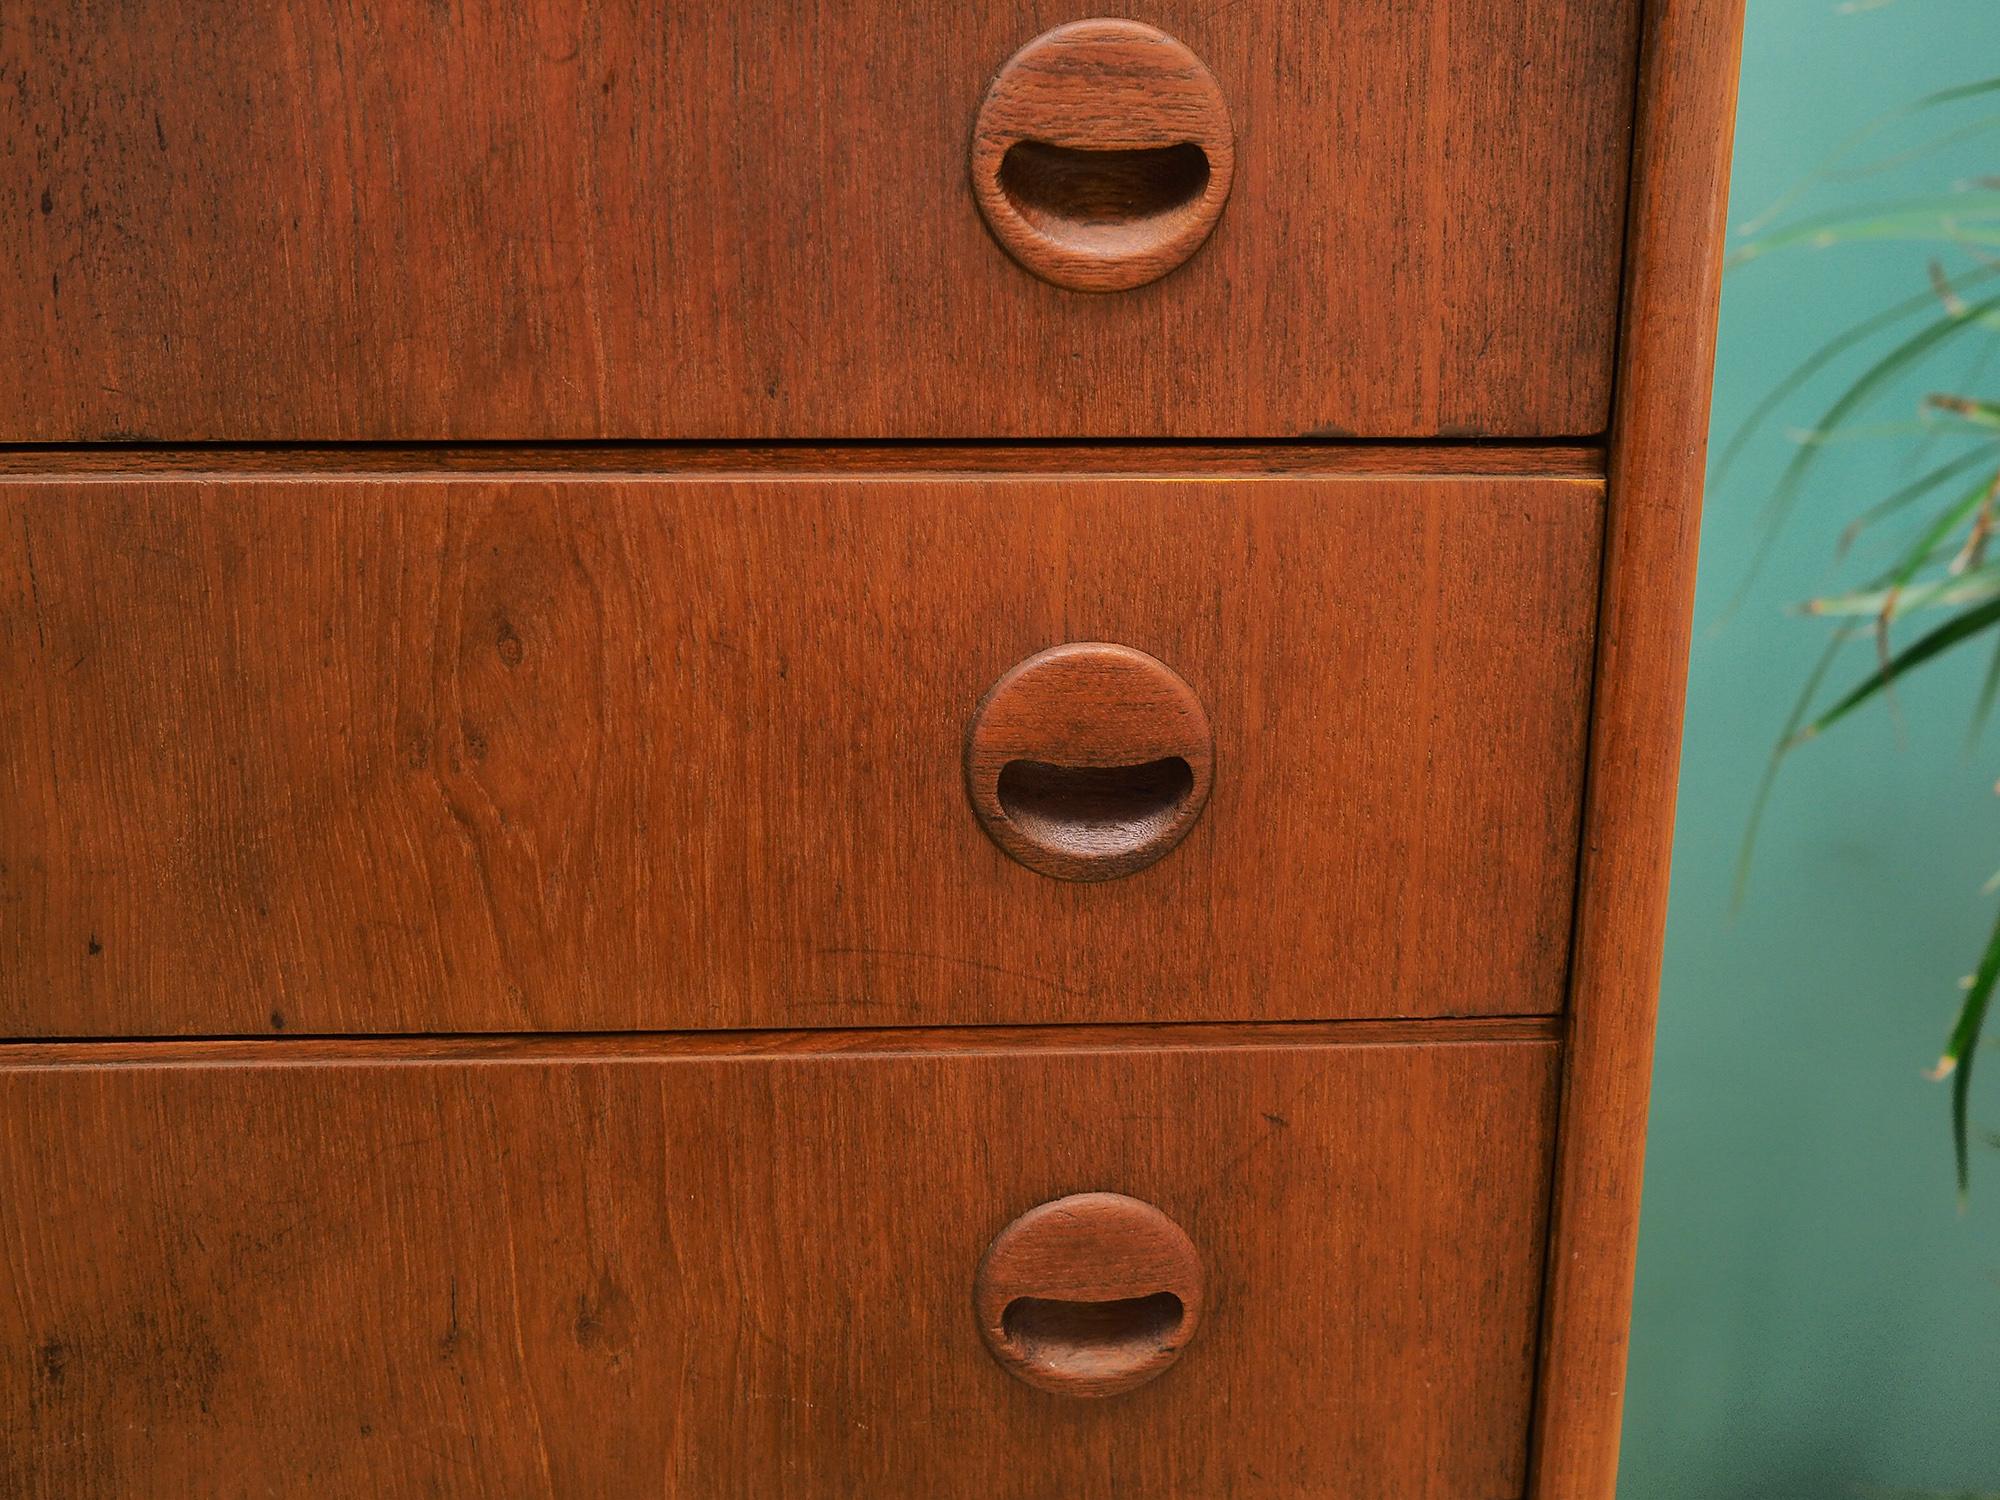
(1815, 1319)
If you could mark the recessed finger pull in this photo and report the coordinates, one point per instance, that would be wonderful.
(1103, 154)
(1089, 761)
(1089, 1295)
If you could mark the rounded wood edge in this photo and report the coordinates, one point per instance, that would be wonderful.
(618, 462)
(428, 1049)
(1088, 706)
(1674, 241)
(1090, 1251)
(1068, 62)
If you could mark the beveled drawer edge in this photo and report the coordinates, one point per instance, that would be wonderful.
(889, 1041)
(743, 461)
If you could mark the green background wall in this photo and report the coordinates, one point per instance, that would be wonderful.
(1814, 1318)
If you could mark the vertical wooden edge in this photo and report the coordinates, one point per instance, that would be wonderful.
(1690, 52)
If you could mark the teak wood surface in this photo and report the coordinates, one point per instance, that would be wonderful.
(382, 807)
(1090, 1294)
(386, 219)
(1089, 760)
(724, 1279)
(102, 462)
(325, 754)
(1673, 284)
(1103, 155)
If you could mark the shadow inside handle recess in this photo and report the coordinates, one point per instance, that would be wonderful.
(1087, 1337)
(1069, 193)
(1094, 809)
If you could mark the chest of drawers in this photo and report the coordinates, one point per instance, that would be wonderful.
(839, 750)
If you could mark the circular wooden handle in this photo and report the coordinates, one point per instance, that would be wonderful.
(1102, 155)
(1089, 761)
(1089, 1295)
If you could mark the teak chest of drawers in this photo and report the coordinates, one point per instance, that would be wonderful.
(839, 750)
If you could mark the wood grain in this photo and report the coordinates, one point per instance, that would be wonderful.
(858, 1041)
(751, 460)
(1089, 1295)
(1102, 155)
(463, 755)
(711, 1278)
(1680, 195)
(1089, 760)
(337, 220)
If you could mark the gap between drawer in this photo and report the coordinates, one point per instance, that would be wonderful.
(24, 1053)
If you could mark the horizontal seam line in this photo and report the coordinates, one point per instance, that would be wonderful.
(774, 1042)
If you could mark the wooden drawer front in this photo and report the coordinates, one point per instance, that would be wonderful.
(716, 1277)
(651, 753)
(406, 220)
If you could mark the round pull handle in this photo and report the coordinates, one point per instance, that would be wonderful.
(1102, 155)
(1089, 1295)
(1089, 760)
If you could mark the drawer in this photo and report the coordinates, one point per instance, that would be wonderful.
(632, 220)
(530, 1269)
(659, 751)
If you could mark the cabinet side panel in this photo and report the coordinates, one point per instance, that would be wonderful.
(1673, 274)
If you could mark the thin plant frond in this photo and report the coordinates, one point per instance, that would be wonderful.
(1910, 493)
(1975, 587)
(1929, 421)
(1787, 737)
(1875, 167)
(1848, 145)
(1969, 218)
(1974, 413)
(1953, 632)
(1825, 355)
(1959, 1048)
(1899, 581)
(1982, 709)
(1917, 346)
(1973, 553)
(1929, 545)
(1949, 566)
(1946, 293)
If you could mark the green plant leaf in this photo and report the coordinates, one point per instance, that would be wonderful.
(1956, 1063)
(1952, 95)
(1975, 587)
(1982, 710)
(1924, 341)
(1970, 130)
(1823, 356)
(1787, 737)
(1927, 546)
(1910, 493)
(1973, 413)
(1937, 99)
(1966, 217)
(1954, 631)
(1931, 541)
(1970, 218)
(1927, 424)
